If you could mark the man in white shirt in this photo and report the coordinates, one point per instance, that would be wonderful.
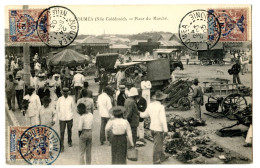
(33, 80)
(104, 104)
(187, 58)
(146, 86)
(119, 76)
(19, 89)
(173, 76)
(14, 65)
(77, 82)
(65, 107)
(33, 107)
(158, 125)
(37, 67)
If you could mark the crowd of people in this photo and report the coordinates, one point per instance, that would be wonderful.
(49, 101)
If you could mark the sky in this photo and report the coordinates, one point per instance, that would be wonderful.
(171, 15)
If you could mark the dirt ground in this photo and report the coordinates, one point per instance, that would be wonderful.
(102, 154)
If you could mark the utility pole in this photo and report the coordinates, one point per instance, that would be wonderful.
(26, 58)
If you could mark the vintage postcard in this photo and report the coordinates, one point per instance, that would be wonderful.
(128, 84)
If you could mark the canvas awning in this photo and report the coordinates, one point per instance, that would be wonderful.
(68, 56)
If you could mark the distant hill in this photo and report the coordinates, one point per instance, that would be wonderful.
(154, 36)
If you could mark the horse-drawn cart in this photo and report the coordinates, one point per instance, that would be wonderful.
(157, 71)
(229, 97)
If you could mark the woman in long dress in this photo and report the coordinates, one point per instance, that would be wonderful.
(121, 130)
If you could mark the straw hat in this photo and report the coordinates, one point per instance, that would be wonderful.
(121, 87)
(159, 95)
(116, 110)
(133, 92)
(18, 77)
(79, 70)
(65, 89)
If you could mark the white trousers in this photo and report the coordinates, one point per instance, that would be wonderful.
(146, 95)
(140, 130)
(31, 121)
(249, 136)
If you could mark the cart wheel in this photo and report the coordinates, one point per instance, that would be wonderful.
(130, 70)
(232, 104)
(184, 103)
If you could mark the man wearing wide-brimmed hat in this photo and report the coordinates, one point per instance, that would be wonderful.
(197, 98)
(77, 82)
(65, 107)
(158, 125)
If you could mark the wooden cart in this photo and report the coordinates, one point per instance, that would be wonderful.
(229, 97)
(179, 94)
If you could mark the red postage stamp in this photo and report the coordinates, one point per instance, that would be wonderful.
(18, 146)
(234, 24)
(15, 135)
(23, 25)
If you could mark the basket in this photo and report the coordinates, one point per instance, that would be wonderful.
(212, 106)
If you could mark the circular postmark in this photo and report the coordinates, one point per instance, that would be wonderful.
(39, 145)
(199, 30)
(57, 26)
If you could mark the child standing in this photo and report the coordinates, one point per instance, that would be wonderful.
(85, 133)
(47, 115)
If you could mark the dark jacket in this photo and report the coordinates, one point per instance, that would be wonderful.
(131, 113)
(121, 99)
(103, 79)
(236, 68)
(141, 105)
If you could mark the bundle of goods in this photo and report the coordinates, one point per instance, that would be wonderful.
(182, 139)
(183, 136)
(243, 117)
(186, 155)
(246, 91)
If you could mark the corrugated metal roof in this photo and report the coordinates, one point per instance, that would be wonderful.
(170, 43)
(119, 46)
(93, 40)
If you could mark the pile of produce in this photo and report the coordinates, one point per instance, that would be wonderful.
(175, 122)
(182, 136)
(186, 155)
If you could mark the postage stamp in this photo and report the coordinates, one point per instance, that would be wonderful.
(199, 30)
(15, 133)
(57, 26)
(234, 24)
(23, 25)
(37, 145)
